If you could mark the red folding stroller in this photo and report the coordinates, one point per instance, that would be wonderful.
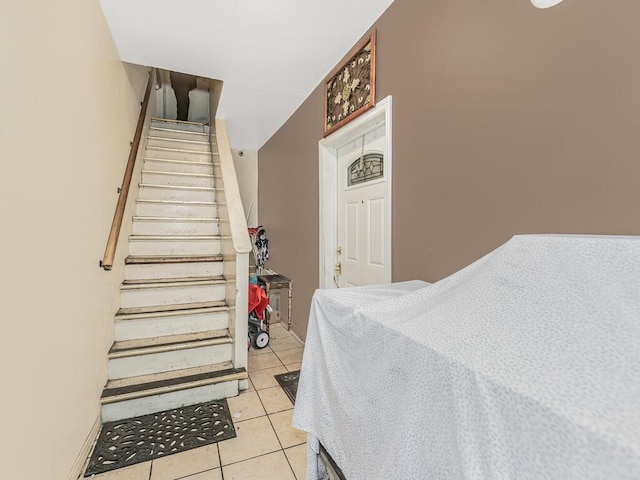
(258, 303)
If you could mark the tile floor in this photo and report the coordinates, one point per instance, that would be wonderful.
(266, 445)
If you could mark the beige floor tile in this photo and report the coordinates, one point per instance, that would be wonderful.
(275, 400)
(135, 472)
(273, 467)
(283, 342)
(279, 326)
(298, 459)
(245, 406)
(265, 378)
(215, 474)
(253, 438)
(251, 387)
(185, 463)
(260, 362)
(259, 351)
(292, 367)
(287, 435)
(290, 355)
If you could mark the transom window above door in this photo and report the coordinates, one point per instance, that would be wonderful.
(365, 169)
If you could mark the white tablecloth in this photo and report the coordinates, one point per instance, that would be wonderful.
(524, 365)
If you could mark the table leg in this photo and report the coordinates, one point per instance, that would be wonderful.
(289, 316)
(267, 315)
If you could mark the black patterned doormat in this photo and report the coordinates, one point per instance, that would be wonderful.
(140, 439)
(289, 383)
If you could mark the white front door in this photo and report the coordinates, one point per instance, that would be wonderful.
(362, 209)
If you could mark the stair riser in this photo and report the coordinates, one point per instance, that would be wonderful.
(153, 193)
(170, 143)
(174, 247)
(168, 361)
(179, 135)
(178, 155)
(182, 127)
(178, 180)
(148, 227)
(174, 325)
(148, 297)
(160, 166)
(168, 401)
(160, 210)
(172, 270)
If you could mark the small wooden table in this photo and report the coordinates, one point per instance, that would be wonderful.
(274, 282)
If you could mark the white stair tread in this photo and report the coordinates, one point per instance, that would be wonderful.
(138, 218)
(136, 313)
(181, 307)
(178, 140)
(179, 150)
(172, 238)
(159, 377)
(145, 346)
(177, 202)
(177, 187)
(163, 129)
(152, 259)
(171, 282)
(171, 120)
(184, 162)
(179, 174)
(155, 384)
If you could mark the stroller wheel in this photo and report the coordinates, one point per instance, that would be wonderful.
(262, 340)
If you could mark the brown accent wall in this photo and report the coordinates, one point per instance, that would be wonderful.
(506, 119)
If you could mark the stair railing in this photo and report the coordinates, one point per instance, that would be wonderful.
(123, 192)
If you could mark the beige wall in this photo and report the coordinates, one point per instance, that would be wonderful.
(506, 119)
(69, 108)
(247, 173)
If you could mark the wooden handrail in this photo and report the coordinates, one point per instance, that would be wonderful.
(112, 241)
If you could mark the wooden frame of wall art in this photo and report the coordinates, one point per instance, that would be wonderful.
(350, 89)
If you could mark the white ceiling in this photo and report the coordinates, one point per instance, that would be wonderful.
(270, 54)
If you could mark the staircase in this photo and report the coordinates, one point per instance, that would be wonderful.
(173, 346)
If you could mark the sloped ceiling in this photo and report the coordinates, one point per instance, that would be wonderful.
(270, 54)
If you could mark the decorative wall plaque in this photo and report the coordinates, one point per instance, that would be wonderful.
(350, 89)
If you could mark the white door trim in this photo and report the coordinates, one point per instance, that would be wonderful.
(328, 158)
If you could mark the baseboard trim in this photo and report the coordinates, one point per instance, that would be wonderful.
(295, 335)
(85, 451)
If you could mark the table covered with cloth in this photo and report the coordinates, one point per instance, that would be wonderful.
(524, 365)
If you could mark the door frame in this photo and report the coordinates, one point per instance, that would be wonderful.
(328, 170)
